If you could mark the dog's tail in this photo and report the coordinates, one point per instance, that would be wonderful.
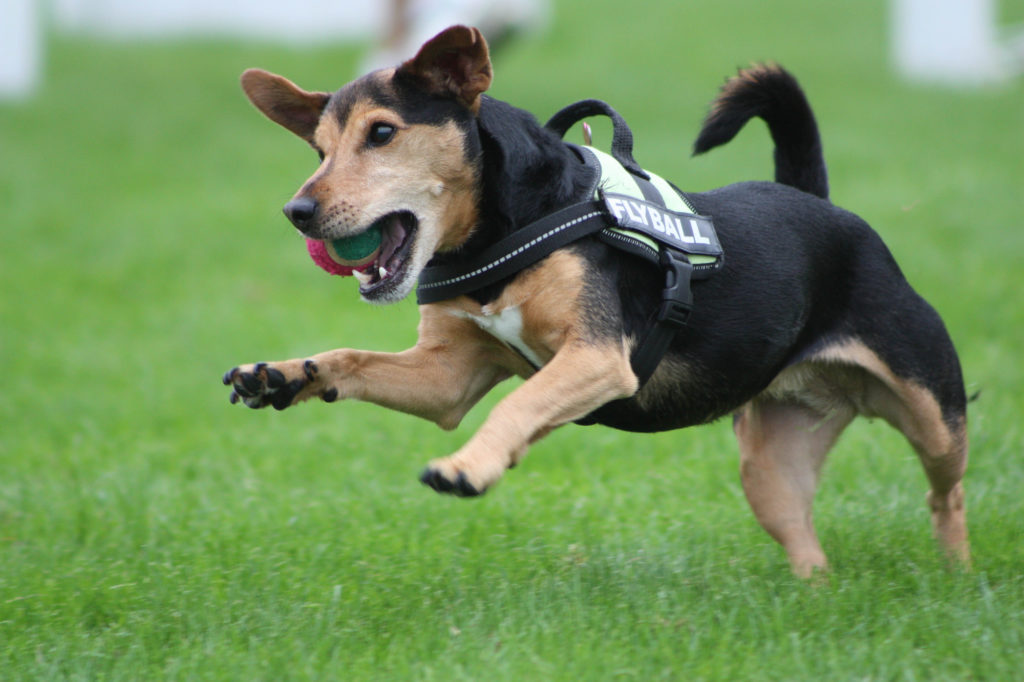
(771, 93)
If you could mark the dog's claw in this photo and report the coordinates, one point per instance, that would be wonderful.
(311, 370)
(229, 376)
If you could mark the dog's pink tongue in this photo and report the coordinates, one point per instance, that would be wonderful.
(318, 252)
(395, 236)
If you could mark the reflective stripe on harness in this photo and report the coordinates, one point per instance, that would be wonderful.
(519, 250)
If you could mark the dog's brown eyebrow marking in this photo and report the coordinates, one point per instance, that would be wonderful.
(391, 89)
(373, 87)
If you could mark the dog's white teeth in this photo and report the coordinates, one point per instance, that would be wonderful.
(364, 278)
(382, 271)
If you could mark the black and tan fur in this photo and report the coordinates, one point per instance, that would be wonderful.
(809, 323)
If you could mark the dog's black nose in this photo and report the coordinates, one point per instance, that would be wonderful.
(301, 211)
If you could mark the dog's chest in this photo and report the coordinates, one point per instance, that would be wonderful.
(506, 325)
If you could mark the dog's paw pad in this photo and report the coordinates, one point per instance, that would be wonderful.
(275, 378)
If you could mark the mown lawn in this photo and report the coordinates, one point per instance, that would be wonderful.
(148, 530)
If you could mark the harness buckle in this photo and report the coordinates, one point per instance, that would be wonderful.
(676, 297)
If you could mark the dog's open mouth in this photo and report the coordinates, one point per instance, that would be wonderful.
(398, 233)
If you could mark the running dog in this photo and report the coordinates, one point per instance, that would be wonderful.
(808, 322)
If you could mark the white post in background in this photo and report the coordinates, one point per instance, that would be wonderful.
(20, 48)
(948, 41)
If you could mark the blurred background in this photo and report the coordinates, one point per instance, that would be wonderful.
(957, 42)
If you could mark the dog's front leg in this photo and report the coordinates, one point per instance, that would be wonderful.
(452, 366)
(581, 377)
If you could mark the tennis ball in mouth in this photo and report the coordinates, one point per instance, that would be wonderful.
(357, 249)
(343, 256)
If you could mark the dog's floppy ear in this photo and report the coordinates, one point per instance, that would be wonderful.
(456, 62)
(284, 102)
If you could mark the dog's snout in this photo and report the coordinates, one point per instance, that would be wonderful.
(301, 211)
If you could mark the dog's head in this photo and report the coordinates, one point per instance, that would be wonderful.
(398, 150)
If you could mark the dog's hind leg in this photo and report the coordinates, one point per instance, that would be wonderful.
(942, 449)
(934, 425)
(783, 444)
(945, 470)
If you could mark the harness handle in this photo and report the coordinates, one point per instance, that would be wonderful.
(622, 136)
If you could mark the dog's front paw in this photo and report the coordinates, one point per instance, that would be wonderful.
(453, 482)
(278, 384)
(461, 475)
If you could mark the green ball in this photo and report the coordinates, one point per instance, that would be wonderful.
(357, 247)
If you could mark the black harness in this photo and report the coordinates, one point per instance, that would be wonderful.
(630, 211)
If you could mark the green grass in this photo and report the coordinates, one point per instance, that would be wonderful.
(148, 530)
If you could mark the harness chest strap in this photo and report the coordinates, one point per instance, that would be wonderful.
(519, 250)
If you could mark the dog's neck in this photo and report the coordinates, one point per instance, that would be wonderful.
(526, 172)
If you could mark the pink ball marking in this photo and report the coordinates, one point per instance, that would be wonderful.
(318, 251)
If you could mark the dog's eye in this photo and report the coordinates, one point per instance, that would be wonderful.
(381, 134)
(321, 155)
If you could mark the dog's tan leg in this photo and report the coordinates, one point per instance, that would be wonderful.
(942, 449)
(782, 447)
(451, 367)
(580, 378)
(939, 440)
